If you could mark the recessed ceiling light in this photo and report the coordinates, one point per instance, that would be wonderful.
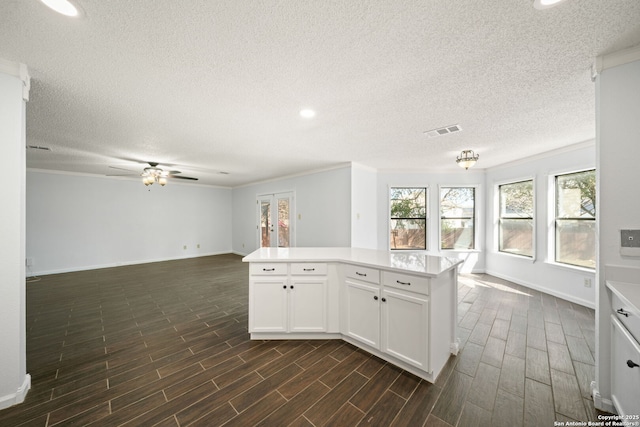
(545, 4)
(307, 113)
(65, 7)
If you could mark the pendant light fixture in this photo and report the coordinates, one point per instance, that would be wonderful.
(467, 158)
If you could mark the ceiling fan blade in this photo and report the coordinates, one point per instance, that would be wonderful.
(173, 172)
(122, 169)
(183, 177)
(126, 174)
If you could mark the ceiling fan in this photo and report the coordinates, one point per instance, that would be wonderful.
(153, 174)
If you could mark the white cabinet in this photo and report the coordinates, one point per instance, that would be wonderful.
(268, 304)
(386, 317)
(308, 305)
(625, 370)
(405, 327)
(287, 298)
(398, 307)
(362, 312)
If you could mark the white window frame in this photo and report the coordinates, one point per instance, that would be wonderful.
(426, 225)
(551, 223)
(498, 214)
(477, 219)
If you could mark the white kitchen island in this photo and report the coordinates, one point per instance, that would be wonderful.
(399, 306)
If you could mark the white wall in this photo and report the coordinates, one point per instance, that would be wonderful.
(323, 202)
(618, 148)
(14, 380)
(474, 260)
(364, 207)
(540, 273)
(77, 222)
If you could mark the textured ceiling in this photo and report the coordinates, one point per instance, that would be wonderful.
(211, 86)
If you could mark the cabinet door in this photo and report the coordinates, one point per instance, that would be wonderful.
(405, 327)
(308, 305)
(625, 370)
(268, 305)
(362, 315)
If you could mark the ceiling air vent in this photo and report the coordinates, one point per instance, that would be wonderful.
(442, 131)
(38, 147)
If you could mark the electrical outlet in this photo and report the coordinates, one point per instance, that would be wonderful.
(587, 282)
(29, 262)
(184, 247)
(198, 245)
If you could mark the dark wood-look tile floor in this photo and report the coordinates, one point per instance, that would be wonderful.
(166, 344)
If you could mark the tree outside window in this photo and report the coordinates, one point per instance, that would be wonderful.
(408, 218)
(516, 218)
(457, 217)
(575, 224)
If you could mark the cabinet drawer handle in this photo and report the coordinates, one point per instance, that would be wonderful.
(361, 274)
(284, 287)
(384, 300)
(291, 286)
(403, 283)
(621, 311)
(308, 269)
(632, 364)
(375, 298)
(268, 269)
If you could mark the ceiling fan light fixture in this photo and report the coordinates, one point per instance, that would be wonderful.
(467, 159)
(162, 181)
(63, 7)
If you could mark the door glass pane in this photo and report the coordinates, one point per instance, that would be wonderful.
(283, 223)
(265, 224)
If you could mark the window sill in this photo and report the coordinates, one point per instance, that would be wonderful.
(462, 251)
(514, 256)
(569, 267)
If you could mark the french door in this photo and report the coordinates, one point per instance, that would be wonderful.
(276, 220)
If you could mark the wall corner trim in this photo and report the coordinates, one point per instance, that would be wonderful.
(614, 59)
(20, 71)
(17, 397)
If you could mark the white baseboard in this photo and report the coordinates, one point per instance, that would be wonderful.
(120, 264)
(17, 397)
(536, 287)
(242, 254)
(599, 403)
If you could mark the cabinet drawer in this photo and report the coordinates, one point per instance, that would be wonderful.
(626, 314)
(364, 274)
(406, 282)
(268, 269)
(309, 268)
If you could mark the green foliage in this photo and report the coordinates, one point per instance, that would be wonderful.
(585, 184)
(516, 200)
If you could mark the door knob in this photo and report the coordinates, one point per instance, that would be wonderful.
(632, 364)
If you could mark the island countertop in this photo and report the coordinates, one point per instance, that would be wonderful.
(413, 262)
